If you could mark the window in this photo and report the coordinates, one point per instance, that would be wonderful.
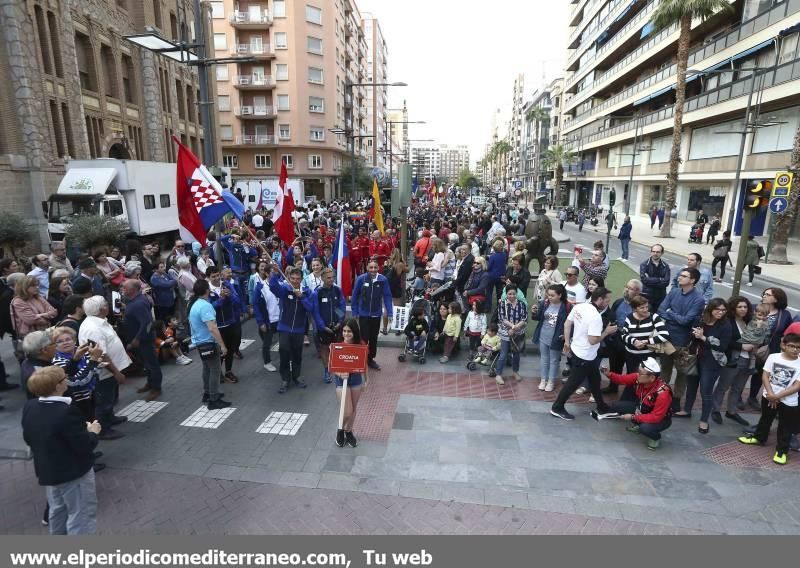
(288, 160)
(263, 161)
(314, 45)
(284, 133)
(317, 134)
(224, 102)
(164, 199)
(230, 161)
(114, 207)
(222, 72)
(282, 72)
(660, 149)
(316, 104)
(109, 71)
(313, 15)
(789, 47)
(314, 161)
(226, 132)
(283, 102)
(85, 59)
(280, 40)
(128, 78)
(778, 138)
(716, 141)
(149, 201)
(220, 42)
(217, 10)
(315, 75)
(279, 8)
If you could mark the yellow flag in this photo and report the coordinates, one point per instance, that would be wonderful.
(376, 206)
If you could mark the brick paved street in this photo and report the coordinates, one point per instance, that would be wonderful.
(441, 450)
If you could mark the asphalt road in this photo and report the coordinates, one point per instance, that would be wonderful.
(639, 253)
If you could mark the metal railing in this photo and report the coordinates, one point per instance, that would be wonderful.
(254, 81)
(248, 18)
(252, 110)
(591, 30)
(256, 139)
(247, 49)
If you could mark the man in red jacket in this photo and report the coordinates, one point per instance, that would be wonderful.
(651, 413)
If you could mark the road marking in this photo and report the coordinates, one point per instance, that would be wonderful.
(141, 410)
(205, 418)
(282, 423)
(246, 343)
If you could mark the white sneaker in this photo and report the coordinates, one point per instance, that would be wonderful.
(550, 386)
(187, 360)
(542, 384)
(750, 284)
(499, 380)
(517, 377)
(580, 390)
(270, 367)
(591, 398)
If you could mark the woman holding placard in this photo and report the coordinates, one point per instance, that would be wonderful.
(348, 395)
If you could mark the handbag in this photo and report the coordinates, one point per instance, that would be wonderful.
(118, 279)
(685, 362)
(208, 351)
(663, 348)
(720, 252)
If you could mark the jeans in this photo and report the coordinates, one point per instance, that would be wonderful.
(370, 327)
(418, 342)
(650, 430)
(291, 351)
(241, 279)
(266, 341)
(581, 370)
(731, 381)
(146, 353)
(163, 313)
(788, 419)
(105, 393)
(561, 224)
(550, 360)
(232, 338)
(625, 244)
(709, 373)
(212, 369)
(505, 348)
(73, 506)
(723, 262)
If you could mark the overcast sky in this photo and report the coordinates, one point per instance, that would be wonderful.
(460, 60)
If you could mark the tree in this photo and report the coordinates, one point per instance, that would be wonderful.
(15, 232)
(91, 231)
(537, 115)
(557, 157)
(467, 179)
(501, 149)
(681, 12)
(785, 220)
(363, 178)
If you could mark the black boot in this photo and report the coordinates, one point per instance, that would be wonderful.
(340, 438)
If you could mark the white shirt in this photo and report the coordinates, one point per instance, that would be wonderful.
(586, 321)
(100, 331)
(258, 221)
(782, 374)
(202, 265)
(575, 294)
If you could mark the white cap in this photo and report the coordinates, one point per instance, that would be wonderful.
(652, 365)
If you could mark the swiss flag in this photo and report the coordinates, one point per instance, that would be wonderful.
(284, 207)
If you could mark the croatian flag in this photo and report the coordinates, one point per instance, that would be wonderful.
(201, 200)
(341, 262)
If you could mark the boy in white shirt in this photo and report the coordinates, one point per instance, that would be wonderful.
(781, 380)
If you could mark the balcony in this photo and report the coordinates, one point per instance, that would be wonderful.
(586, 34)
(253, 82)
(256, 112)
(248, 21)
(254, 140)
(263, 51)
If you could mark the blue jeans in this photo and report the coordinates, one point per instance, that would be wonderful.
(505, 349)
(418, 342)
(105, 393)
(709, 373)
(550, 360)
(73, 505)
(625, 244)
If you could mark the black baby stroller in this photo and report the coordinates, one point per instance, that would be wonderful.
(408, 346)
(491, 363)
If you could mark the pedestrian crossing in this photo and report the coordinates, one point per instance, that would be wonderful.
(282, 423)
(205, 418)
(141, 411)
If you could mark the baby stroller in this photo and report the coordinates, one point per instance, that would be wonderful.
(696, 233)
(408, 346)
(491, 362)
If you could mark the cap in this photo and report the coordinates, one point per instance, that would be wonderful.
(652, 365)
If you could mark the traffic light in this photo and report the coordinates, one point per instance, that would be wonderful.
(758, 194)
(612, 197)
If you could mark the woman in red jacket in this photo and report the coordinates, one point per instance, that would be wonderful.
(652, 414)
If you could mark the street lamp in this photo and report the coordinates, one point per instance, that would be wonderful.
(348, 90)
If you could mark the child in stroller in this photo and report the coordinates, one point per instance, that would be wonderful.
(696, 233)
(416, 332)
(489, 350)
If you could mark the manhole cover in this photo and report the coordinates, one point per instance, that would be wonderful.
(736, 454)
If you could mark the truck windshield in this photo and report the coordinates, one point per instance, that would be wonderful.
(63, 209)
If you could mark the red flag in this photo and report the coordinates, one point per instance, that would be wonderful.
(284, 207)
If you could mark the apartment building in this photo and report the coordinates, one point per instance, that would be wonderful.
(425, 162)
(298, 86)
(619, 93)
(534, 141)
(514, 160)
(72, 87)
(452, 161)
(397, 129)
(378, 95)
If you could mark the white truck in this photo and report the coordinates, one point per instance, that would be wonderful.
(141, 193)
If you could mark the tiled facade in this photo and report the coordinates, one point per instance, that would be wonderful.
(72, 87)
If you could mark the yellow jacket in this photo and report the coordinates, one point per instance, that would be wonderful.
(452, 326)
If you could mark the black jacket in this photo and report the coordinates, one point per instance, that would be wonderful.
(464, 271)
(63, 450)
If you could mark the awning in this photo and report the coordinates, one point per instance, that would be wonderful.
(654, 95)
(86, 181)
(624, 12)
(602, 38)
(790, 30)
(752, 50)
(647, 30)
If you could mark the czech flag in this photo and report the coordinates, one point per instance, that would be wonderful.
(341, 262)
(201, 200)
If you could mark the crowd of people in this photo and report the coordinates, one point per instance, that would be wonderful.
(82, 325)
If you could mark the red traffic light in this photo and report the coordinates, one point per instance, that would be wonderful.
(758, 194)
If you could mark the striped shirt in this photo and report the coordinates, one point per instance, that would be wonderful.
(81, 375)
(513, 314)
(653, 330)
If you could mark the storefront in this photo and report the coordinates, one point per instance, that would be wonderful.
(709, 198)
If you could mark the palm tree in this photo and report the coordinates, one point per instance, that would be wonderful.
(537, 115)
(501, 149)
(785, 220)
(681, 12)
(557, 157)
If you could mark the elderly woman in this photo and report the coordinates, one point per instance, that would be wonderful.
(548, 276)
(38, 349)
(133, 270)
(63, 444)
(112, 270)
(186, 280)
(478, 286)
(29, 311)
(80, 365)
(60, 290)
